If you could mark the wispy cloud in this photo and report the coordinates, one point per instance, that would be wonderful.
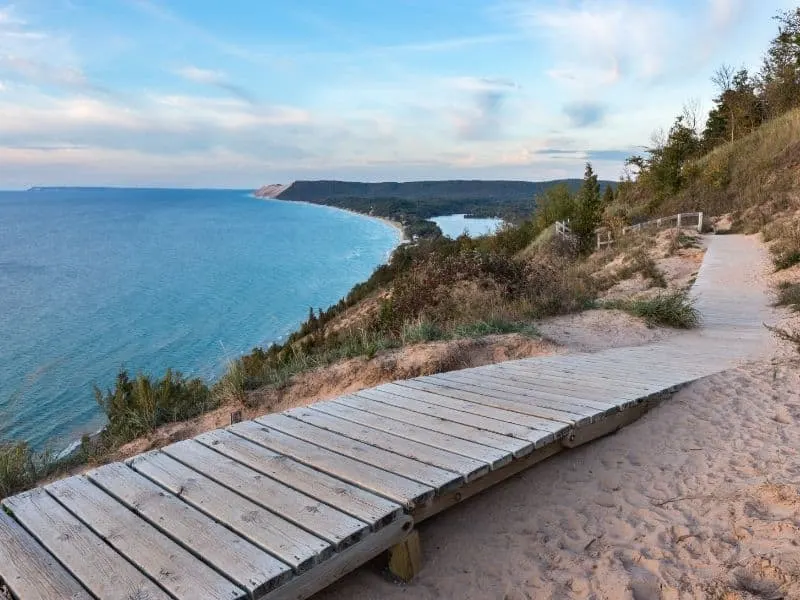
(483, 121)
(218, 80)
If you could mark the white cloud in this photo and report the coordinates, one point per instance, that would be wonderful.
(198, 75)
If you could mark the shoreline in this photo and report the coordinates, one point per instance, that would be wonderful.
(404, 239)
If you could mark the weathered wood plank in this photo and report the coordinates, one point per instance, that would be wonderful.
(429, 421)
(100, 569)
(29, 571)
(510, 401)
(284, 540)
(314, 516)
(399, 489)
(478, 404)
(485, 454)
(244, 563)
(374, 510)
(467, 467)
(549, 396)
(166, 562)
(459, 411)
(308, 584)
(435, 477)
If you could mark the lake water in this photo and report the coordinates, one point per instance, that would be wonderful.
(454, 225)
(94, 280)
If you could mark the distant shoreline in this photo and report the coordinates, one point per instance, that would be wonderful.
(404, 239)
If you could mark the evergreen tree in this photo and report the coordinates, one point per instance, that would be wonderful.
(588, 210)
(608, 196)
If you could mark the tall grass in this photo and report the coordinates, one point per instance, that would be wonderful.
(789, 295)
(670, 310)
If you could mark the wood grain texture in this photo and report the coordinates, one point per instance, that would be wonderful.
(30, 571)
(174, 568)
(284, 540)
(323, 521)
(370, 508)
(98, 567)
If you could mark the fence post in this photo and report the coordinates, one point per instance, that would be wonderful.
(699, 222)
(679, 221)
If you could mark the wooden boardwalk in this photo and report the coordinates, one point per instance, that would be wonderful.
(282, 506)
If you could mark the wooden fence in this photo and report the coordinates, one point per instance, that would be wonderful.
(679, 221)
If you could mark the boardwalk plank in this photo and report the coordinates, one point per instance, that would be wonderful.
(318, 518)
(481, 405)
(29, 571)
(439, 479)
(244, 563)
(509, 400)
(170, 565)
(394, 487)
(374, 510)
(284, 540)
(469, 468)
(486, 455)
(425, 423)
(100, 569)
(571, 401)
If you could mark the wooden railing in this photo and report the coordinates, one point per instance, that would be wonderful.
(679, 221)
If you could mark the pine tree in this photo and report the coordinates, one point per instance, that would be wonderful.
(608, 196)
(589, 210)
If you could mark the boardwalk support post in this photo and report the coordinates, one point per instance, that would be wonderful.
(405, 558)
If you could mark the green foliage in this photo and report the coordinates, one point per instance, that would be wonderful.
(494, 326)
(19, 468)
(588, 210)
(420, 331)
(555, 204)
(780, 72)
(670, 310)
(137, 406)
(789, 295)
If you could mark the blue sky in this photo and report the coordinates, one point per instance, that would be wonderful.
(241, 93)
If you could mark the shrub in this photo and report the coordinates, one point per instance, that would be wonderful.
(421, 330)
(671, 310)
(18, 468)
(137, 406)
(494, 326)
(789, 295)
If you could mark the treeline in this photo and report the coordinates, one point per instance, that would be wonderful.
(412, 202)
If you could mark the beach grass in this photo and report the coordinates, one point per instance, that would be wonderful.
(675, 310)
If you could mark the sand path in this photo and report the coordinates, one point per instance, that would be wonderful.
(698, 499)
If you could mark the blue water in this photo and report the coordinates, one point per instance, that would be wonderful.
(453, 226)
(93, 280)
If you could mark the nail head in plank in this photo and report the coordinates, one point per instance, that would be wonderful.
(98, 567)
(166, 562)
(412, 469)
(30, 571)
(304, 511)
(284, 540)
(366, 506)
(394, 487)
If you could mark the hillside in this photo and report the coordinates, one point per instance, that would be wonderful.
(512, 201)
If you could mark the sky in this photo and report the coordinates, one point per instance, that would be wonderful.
(203, 93)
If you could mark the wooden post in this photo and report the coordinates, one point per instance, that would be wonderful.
(699, 222)
(405, 558)
(679, 221)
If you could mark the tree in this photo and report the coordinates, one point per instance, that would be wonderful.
(779, 78)
(608, 196)
(666, 162)
(737, 110)
(555, 204)
(588, 210)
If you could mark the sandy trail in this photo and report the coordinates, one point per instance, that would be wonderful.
(698, 499)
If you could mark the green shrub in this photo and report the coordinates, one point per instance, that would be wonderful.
(670, 310)
(421, 330)
(494, 326)
(789, 295)
(18, 468)
(137, 406)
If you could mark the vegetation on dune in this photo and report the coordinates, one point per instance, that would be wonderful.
(670, 310)
(789, 295)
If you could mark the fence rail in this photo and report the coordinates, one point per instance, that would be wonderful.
(692, 219)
